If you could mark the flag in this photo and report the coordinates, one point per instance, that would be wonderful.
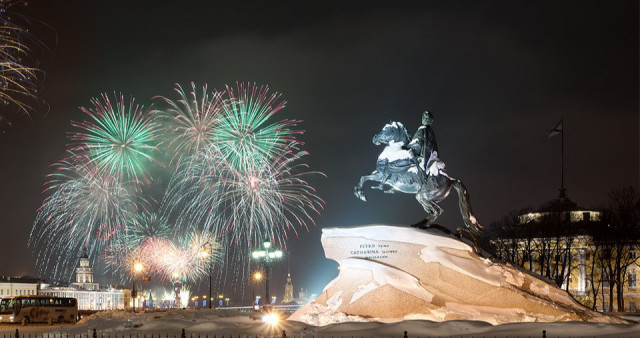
(557, 130)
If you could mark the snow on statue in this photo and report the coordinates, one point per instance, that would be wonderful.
(412, 166)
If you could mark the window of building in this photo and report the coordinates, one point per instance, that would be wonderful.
(632, 279)
(586, 216)
(633, 255)
(604, 278)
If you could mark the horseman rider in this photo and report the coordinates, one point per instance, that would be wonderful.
(424, 146)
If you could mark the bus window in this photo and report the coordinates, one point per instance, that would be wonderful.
(6, 306)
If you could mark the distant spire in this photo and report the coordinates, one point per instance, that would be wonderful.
(288, 290)
(84, 253)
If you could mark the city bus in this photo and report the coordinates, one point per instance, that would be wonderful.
(38, 309)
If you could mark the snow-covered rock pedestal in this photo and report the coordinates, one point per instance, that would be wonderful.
(390, 273)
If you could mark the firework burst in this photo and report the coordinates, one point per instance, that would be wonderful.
(185, 260)
(148, 225)
(267, 200)
(84, 210)
(120, 139)
(190, 120)
(247, 185)
(242, 208)
(246, 134)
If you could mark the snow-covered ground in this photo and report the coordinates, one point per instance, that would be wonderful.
(213, 322)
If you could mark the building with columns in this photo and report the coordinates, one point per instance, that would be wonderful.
(84, 274)
(88, 293)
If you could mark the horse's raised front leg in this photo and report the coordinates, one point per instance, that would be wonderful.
(358, 189)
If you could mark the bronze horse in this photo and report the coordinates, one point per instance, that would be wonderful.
(398, 169)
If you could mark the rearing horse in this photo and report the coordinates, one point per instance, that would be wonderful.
(397, 169)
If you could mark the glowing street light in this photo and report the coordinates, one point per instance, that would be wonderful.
(271, 319)
(137, 267)
(194, 300)
(266, 256)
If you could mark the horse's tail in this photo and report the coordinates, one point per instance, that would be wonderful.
(465, 208)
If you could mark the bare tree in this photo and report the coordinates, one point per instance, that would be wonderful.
(623, 221)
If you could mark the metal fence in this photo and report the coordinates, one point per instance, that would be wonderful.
(95, 334)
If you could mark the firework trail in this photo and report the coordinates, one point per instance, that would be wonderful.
(119, 140)
(147, 225)
(267, 201)
(20, 77)
(190, 120)
(245, 133)
(83, 210)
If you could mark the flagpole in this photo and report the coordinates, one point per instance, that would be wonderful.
(563, 194)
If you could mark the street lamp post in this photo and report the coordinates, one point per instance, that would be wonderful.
(210, 255)
(267, 255)
(257, 277)
(137, 267)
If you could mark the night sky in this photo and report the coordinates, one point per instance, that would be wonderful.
(496, 75)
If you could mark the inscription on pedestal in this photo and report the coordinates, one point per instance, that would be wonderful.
(373, 251)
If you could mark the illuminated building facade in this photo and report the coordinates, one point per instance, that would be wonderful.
(87, 292)
(557, 242)
(84, 274)
(18, 286)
